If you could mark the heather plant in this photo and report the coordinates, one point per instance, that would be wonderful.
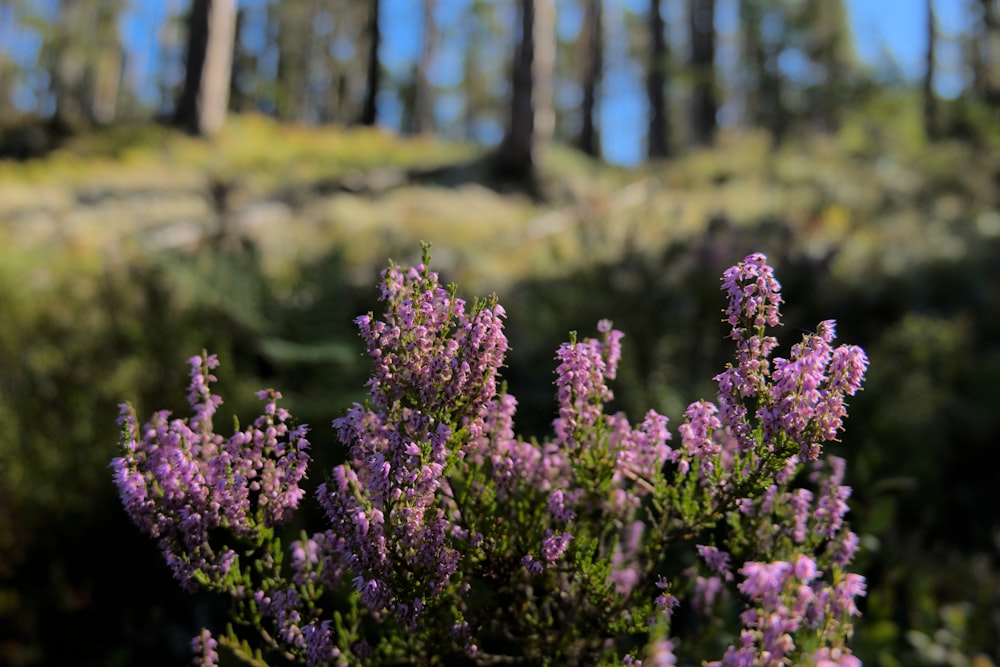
(449, 539)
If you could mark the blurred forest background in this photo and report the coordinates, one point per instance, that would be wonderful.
(232, 175)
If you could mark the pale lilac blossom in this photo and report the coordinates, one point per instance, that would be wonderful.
(435, 437)
(204, 646)
(179, 481)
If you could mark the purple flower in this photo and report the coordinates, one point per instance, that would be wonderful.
(700, 435)
(800, 502)
(802, 400)
(746, 655)
(836, 657)
(764, 581)
(200, 396)
(754, 297)
(847, 369)
(665, 602)
(554, 545)
(319, 647)
(806, 400)
(844, 548)
(611, 347)
(625, 565)
(557, 506)
(436, 494)
(842, 600)
(179, 481)
(432, 401)
(706, 590)
(660, 654)
(717, 561)
(753, 291)
(581, 391)
(831, 508)
(428, 348)
(204, 648)
(531, 565)
(805, 569)
(639, 455)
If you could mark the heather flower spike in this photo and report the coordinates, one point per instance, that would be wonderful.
(180, 482)
(446, 537)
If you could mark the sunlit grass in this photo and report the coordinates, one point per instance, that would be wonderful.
(873, 186)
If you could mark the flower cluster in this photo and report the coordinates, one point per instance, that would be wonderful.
(788, 597)
(204, 648)
(447, 537)
(432, 398)
(179, 481)
(802, 402)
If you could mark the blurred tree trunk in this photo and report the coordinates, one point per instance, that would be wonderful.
(205, 95)
(975, 49)
(423, 102)
(345, 71)
(930, 99)
(68, 65)
(83, 53)
(517, 150)
(531, 116)
(241, 80)
(107, 85)
(542, 71)
(170, 50)
(763, 82)
(656, 85)
(752, 67)
(369, 111)
(827, 42)
(481, 31)
(593, 51)
(10, 73)
(989, 51)
(107, 63)
(295, 36)
(704, 102)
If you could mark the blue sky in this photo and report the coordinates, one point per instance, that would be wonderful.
(880, 27)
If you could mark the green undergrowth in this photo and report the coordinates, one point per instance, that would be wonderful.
(878, 195)
(896, 236)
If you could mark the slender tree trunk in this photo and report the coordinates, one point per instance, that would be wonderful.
(471, 71)
(517, 149)
(107, 83)
(974, 52)
(763, 87)
(990, 52)
(423, 103)
(294, 42)
(69, 70)
(930, 99)
(205, 96)
(10, 74)
(656, 85)
(543, 71)
(593, 46)
(244, 67)
(827, 44)
(168, 53)
(532, 118)
(752, 69)
(369, 111)
(105, 64)
(704, 103)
